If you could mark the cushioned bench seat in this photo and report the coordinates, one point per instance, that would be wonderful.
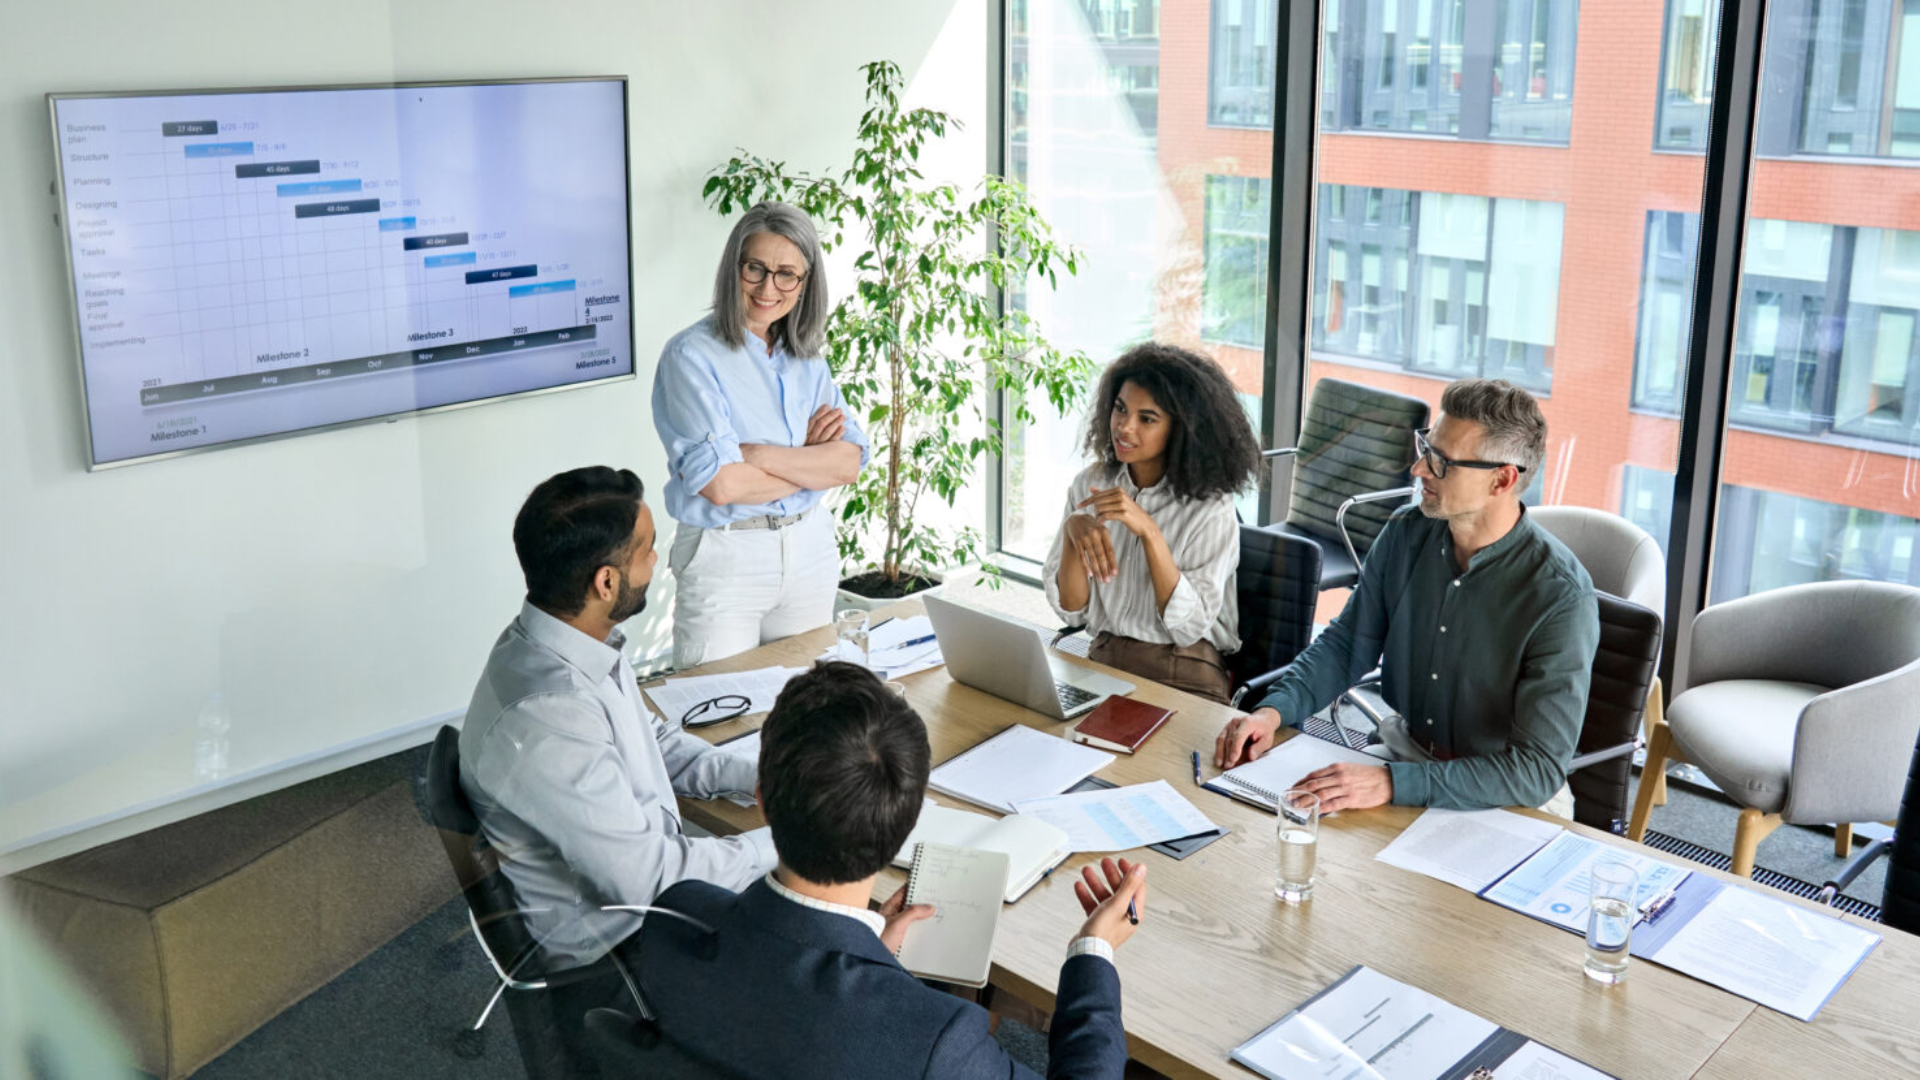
(192, 935)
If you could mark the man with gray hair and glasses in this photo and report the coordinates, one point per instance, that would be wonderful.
(1482, 624)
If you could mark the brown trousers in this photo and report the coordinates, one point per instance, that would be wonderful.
(1196, 668)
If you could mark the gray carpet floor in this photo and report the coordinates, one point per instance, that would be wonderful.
(402, 1012)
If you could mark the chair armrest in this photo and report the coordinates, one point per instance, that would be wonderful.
(1340, 515)
(1852, 748)
(1581, 761)
(1063, 634)
(1257, 686)
(1282, 451)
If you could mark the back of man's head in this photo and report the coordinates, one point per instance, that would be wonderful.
(843, 772)
(569, 527)
(1516, 429)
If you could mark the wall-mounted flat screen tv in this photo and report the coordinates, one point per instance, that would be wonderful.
(249, 264)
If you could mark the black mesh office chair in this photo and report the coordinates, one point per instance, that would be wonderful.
(1276, 585)
(1352, 467)
(1623, 670)
(545, 1026)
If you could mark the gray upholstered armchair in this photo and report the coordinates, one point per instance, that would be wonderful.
(1802, 704)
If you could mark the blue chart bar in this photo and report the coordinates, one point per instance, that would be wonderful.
(218, 149)
(458, 258)
(500, 273)
(539, 289)
(395, 224)
(319, 187)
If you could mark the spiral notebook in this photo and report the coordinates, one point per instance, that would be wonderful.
(1261, 782)
(964, 886)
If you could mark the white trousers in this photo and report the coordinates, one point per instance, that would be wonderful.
(740, 589)
(1393, 732)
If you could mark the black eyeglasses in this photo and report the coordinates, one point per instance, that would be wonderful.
(717, 710)
(756, 272)
(1438, 463)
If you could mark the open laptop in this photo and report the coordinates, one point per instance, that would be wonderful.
(1009, 660)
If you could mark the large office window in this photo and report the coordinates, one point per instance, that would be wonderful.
(1438, 283)
(1820, 479)
(1506, 260)
(1143, 132)
(1475, 69)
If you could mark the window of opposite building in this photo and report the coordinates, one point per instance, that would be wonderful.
(1839, 77)
(1240, 66)
(1234, 307)
(1828, 337)
(1438, 283)
(1499, 70)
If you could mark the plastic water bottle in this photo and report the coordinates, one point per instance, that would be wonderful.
(210, 739)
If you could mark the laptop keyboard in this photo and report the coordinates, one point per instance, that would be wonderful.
(1071, 696)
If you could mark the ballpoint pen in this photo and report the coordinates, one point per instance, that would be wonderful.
(1133, 914)
(1196, 768)
(915, 641)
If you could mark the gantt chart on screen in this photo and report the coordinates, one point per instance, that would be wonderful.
(252, 264)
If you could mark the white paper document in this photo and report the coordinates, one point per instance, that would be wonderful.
(1367, 1025)
(1536, 1062)
(1553, 886)
(1117, 819)
(675, 698)
(1284, 766)
(1019, 763)
(1469, 848)
(1767, 950)
(896, 648)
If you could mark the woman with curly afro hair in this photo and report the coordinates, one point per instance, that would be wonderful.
(1146, 554)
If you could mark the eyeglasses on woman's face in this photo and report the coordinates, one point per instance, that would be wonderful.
(753, 272)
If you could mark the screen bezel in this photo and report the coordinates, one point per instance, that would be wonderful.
(73, 284)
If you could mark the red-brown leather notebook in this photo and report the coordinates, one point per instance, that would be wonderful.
(1120, 724)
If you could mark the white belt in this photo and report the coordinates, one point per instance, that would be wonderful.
(764, 521)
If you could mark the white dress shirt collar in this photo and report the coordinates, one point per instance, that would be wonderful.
(596, 658)
(871, 919)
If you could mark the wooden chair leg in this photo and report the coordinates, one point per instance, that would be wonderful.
(1754, 827)
(1656, 768)
(1842, 840)
(1656, 715)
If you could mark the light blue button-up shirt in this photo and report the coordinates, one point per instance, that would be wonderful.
(709, 398)
(573, 780)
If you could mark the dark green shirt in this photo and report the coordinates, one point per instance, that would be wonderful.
(1489, 667)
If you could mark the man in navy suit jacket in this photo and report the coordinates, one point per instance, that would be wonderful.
(798, 978)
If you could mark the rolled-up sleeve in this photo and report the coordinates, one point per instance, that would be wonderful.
(1208, 554)
(854, 432)
(692, 417)
(1050, 575)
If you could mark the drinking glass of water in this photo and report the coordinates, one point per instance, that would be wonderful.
(1298, 836)
(1610, 920)
(851, 625)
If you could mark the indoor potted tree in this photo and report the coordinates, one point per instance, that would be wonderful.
(922, 338)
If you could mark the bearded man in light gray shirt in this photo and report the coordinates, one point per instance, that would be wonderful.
(572, 777)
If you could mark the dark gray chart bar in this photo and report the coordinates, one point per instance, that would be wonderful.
(236, 384)
(439, 240)
(189, 127)
(275, 168)
(331, 209)
(500, 273)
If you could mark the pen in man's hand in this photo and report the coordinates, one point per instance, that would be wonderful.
(1133, 913)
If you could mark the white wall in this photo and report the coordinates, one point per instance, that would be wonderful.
(343, 584)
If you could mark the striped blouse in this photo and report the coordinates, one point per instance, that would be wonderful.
(1204, 536)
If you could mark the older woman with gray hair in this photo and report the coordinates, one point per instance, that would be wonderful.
(755, 433)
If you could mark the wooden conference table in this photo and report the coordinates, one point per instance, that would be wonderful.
(1217, 958)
